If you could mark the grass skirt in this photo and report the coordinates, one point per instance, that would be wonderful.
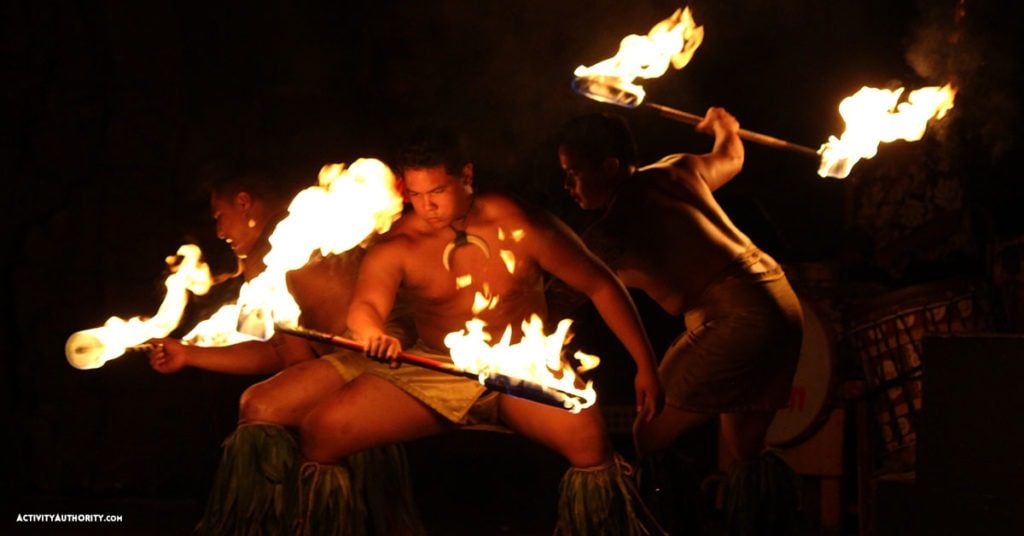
(602, 501)
(762, 497)
(369, 493)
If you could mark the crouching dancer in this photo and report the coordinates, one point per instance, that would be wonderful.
(255, 488)
(451, 233)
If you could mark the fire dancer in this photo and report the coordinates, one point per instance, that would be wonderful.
(663, 232)
(263, 451)
(448, 234)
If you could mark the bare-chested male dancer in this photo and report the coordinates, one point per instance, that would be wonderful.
(396, 404)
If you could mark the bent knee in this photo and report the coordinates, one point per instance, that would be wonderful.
(257, 405)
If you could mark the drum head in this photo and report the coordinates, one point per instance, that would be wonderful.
(812, 386)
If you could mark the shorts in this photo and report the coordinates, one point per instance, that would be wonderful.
(460, 400)
(742, 343)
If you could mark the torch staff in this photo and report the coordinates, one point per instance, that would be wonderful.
(756, 137)
(499, 382)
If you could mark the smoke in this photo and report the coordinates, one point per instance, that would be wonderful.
(970, 44)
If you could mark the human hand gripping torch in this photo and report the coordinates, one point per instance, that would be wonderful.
(872, 115)
(671, 41)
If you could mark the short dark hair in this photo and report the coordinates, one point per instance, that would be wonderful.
(263, 181)
(430, 146)
(597, 136)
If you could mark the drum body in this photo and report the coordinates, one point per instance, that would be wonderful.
(810, 400)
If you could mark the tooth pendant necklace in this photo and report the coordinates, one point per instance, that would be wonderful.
(463, 238)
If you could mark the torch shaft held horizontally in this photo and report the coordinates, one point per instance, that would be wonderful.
(355, 346)
(755, 137)
(513, 386)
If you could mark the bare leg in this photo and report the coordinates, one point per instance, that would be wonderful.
(744, 433)
(368, 412)
(665, 428)
(580, 438)
(287, 396)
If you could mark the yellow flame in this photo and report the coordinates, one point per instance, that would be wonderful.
(347, 207)
(463, 281)
(91, 348)
(875, 115)
(518, 234)
(509, 259)
(587, 361)
(536, 357)
(673, 40)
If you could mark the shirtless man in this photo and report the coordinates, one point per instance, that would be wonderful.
(663, 232)
(246, 209)
(398, 404)
(262, 452)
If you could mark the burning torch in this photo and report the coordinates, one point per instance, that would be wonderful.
(494, 380)
(91, 348)
(671, 41)
(872, 115)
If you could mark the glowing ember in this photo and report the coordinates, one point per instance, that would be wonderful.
(536, 357)
(673, 40)
(91, 348)
(509, 259)
(483, 301)
(463, 281)
(344, 210)
(873, 116)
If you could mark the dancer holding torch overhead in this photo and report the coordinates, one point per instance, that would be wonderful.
(663, 232)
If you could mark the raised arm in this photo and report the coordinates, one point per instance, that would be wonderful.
(725, 160)
(560, 252)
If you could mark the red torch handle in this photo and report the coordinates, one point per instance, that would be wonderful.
(349, 344)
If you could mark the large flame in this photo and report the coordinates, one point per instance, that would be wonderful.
(536, 357)
(91, 348)
(875, 115)
(673, 40)
(345, 209)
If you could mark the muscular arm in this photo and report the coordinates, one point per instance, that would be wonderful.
(379, 278)
(253, 357)
(725, 160)
(559, 251)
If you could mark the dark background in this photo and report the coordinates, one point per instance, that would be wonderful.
(113, 109)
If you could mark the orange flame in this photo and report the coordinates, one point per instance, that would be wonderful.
(673, 40)
(344, 210)
(870, 119)
(91, 348)
(536, 357)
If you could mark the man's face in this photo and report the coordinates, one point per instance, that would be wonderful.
(586, 181)
(437, 197)
(232, 220)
